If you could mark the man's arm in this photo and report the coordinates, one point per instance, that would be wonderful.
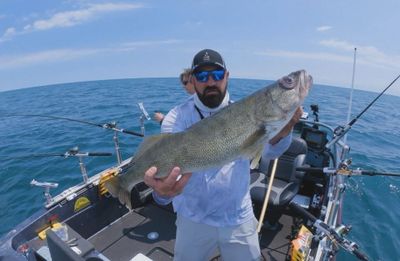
(280, 143)
(289, 127)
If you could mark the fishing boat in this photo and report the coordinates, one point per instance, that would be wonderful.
(302, 217)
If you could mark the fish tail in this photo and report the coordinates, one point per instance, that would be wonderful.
(113, 186)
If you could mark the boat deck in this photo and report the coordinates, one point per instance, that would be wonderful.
(131, 236)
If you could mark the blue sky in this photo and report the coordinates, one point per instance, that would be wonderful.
(46, 42)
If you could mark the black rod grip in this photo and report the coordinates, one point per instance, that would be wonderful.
(311, 170)
(360, 255)
(99, 154)
(132, 133)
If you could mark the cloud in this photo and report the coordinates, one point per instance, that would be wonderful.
(365, 54)
(9, 32)
(150, 43)
(324, 28)
(44, 57)
(341, 52)
(59, 55)
(322, 56)
(339, 45)
(70, 18)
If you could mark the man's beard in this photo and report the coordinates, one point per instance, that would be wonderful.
(212, 97)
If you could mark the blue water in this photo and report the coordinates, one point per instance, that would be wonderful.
(371, 203)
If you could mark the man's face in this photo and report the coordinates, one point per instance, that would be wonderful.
(210, 85)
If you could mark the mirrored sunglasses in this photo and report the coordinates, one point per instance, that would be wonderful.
(217, 75)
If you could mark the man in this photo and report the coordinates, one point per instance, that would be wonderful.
(213, 207)
(186, 83)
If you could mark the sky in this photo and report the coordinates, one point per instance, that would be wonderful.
(46, 42)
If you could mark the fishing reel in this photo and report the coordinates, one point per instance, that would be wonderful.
(336, 235)
(144, 116)
(110, 125)
(315, 110)
(344, 167)
(71, 152)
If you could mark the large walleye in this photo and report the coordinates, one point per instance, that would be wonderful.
(239, 130)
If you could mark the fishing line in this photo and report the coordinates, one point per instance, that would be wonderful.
(369, 105)
(110, 126)
(340, 131)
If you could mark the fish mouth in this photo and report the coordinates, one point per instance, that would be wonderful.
(305, 83)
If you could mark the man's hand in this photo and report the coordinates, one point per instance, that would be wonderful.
(158, 117)
(169, 186)
(296, 116)
(289, 126)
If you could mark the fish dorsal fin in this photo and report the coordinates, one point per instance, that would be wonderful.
(148, 143)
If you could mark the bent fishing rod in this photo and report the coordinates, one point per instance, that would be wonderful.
(340, 131)
(107, 126)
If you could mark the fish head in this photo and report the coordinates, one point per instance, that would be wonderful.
(291, 90)
(278, 102)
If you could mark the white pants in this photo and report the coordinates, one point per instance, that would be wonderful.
(199, 242)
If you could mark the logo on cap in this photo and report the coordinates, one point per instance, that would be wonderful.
(206, 57)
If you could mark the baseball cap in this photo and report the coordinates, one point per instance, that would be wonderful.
(207, 57)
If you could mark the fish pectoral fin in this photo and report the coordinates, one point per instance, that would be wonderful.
(256, 159)
(253, 147)
(252, 143)
(253, 140)
(148, 143)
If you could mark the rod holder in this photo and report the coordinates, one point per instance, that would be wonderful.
(47, 186)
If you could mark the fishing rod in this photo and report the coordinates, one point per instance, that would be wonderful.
(336, 235)
(70, 153)
(346, 172)
(107, 126)
(73, 152)
(110, 126)
(340, 131)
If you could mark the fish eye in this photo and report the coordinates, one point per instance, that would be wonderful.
(288, 80)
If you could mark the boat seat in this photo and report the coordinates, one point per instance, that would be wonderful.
(60, 250)
(141, 194)
(287, 179)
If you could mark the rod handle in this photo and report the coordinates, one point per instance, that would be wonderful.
(360, 255)
(311, 170)
(99, 154)
(132, 133)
